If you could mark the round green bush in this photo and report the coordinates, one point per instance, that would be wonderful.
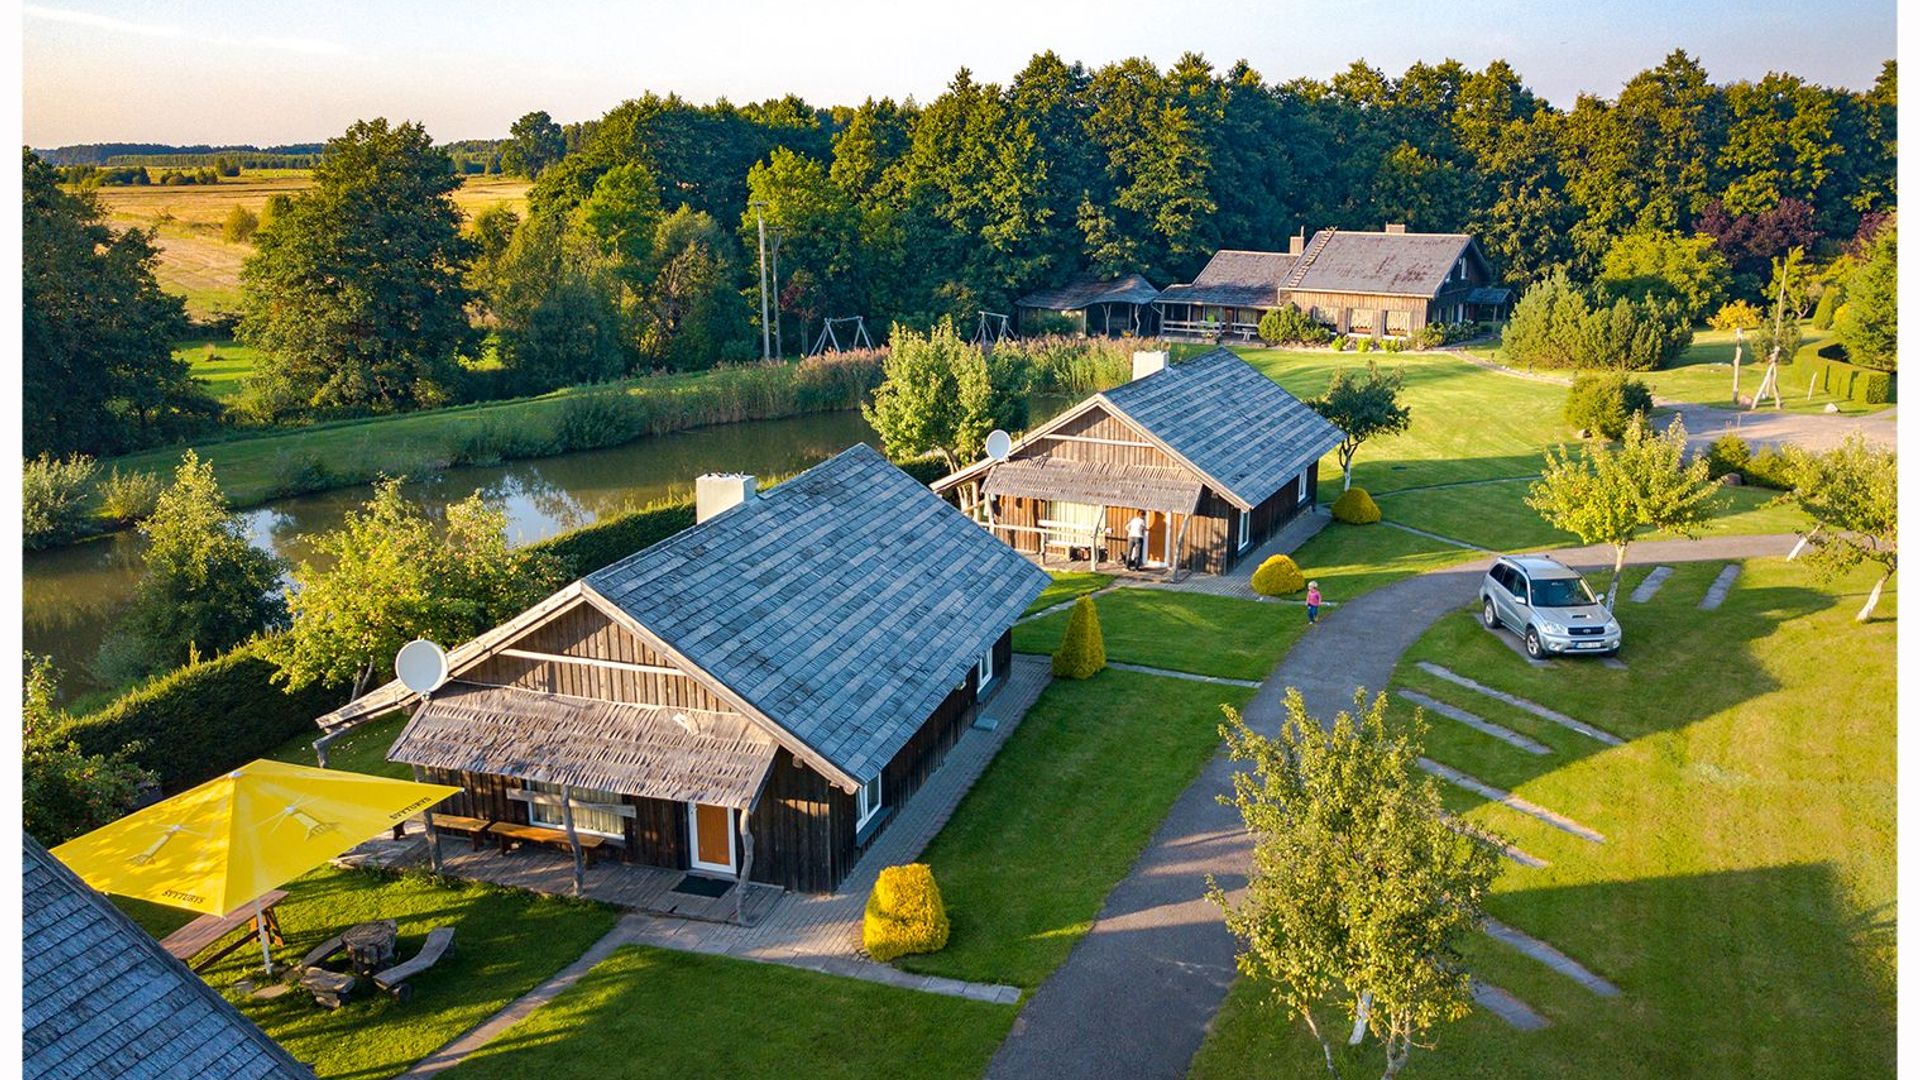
(1606, 404)
(1278, 576)
(1356, 507)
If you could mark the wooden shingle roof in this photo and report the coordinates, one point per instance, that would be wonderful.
(1381, 263)
(1145, 487)
(1235, 426)
(660, 752)
(843, 605)
(1236, 279)
(101, 998)
(1086, 290)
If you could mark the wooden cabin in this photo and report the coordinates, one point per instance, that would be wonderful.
(1111, 307)
(1215, 456)
(752, 698)
(1391, 283)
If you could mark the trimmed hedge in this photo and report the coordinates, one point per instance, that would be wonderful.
(1356, 507)
(904, 914)
(1278, 576)
(204, 719)
(1083, 649)
(1840, 379)
(1605, 404)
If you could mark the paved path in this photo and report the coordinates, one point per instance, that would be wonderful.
(1135, 996)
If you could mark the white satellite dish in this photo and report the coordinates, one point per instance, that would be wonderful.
(421, 666)
(999, 444)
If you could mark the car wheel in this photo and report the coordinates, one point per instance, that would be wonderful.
(1489, 617)
(1534, 648)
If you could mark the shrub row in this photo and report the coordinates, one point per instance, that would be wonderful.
(1730, 454)
(1843, 380)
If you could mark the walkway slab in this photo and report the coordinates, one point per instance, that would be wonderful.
(1188, 675)
(1650, 584)
(1518, 1014)
(1518, 702)
(1511, 801)
(1436, 536)
(1464, 828)
(1485, 727)
(1722, 585)
(1548, 955)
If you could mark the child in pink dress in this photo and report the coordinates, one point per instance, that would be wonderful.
(1313, 602)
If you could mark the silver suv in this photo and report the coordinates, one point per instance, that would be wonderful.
(1548, 605)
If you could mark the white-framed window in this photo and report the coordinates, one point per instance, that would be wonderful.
(867, 802)
(599, 822)
(984, 669)
(1300, 488)
(1246, 529)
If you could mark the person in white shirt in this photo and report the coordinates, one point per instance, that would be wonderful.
(1136, 542)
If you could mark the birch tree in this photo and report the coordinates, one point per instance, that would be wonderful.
(1359, 888)
(1362, 407)
(1613, 494)
(1851, 493)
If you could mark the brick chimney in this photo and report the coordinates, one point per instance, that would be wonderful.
(1147, 362)
(717, 492)
(1396, 228)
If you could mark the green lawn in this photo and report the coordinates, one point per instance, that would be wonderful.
(1177, 631)
(647, 1012)
(221, 363)
(1704, 373)
(1744, 899)
(1068, 584)
(506, 943)
(1496, 516)
(364, 750)
(1061, 814)
(1348, 560)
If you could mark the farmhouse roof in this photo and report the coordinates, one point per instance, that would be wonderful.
(656, 751)
(843, 605)
(1381, 263)
(1236, 279)
(1086, 291)
(101, 998)
(1146, 487)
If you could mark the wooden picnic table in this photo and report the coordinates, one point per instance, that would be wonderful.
(370, 945)
(194, 938)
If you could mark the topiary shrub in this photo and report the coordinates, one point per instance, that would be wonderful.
(1829, 305)
(1356, 507)
(904, 914)
(1083, 651)
(1279, 576)
(1738, 315)
(1606, 404)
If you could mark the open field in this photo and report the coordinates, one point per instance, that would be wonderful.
(1744, 897)
(199, 265)
(221, 363)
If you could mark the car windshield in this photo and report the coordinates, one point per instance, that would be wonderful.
(1562, 592)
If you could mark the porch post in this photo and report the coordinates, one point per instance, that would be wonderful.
(746, 867)
(573, 840)
(433, 843)
(1180, 552)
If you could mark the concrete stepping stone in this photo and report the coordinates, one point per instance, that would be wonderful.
(1532, 862)
(1650, 584)
(1613, 662)
(1518, 1014)
(1548, 955)
(1220, 680)
(1517, 702)
(1722, 585)
(1485, 727)
(1511, 801)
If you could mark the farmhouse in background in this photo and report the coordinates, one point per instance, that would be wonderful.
(1115, 307)
(1380, 284)
(750, 699)
(101, 998)
(1213, 454)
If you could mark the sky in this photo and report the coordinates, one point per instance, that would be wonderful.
(261, 72)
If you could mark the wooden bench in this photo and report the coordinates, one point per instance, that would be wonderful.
(439, 944)
(475, 827)
(323, 952)
(329, 988)
(192, 939)
(512, 833)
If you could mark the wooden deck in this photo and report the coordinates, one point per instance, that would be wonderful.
(627, 885)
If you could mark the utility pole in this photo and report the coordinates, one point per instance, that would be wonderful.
(766, 335)
(778, 348)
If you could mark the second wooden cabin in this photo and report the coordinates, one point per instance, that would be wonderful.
(1215, 456)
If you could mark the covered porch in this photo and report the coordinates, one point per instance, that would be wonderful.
(652, 889)
(1074, 514)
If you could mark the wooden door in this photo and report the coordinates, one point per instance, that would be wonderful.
(1158, 526)
(712, 829)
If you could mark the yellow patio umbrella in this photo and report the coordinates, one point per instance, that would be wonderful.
(233, 838)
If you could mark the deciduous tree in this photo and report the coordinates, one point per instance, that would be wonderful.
(65, 792)
(1363, 407)
(940, 396)
(1852, 495)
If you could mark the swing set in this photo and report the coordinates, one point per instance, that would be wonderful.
(829, 340)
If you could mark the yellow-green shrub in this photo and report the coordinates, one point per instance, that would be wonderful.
(1083, 651)
(1278, 576)
(904, 914)
(1355, 507)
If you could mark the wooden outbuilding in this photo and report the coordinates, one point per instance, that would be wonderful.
(1213, 455)
(752, 698)
(1391, 283)
(1110, 307)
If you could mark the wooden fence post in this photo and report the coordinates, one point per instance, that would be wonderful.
(573, 840)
